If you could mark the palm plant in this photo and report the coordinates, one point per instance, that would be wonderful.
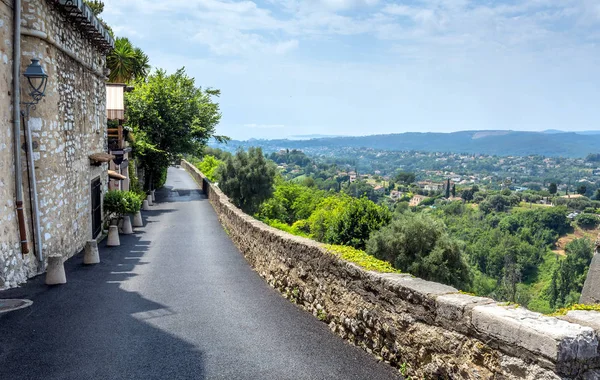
(126, 62)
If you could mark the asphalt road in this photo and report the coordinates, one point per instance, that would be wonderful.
(174, 301)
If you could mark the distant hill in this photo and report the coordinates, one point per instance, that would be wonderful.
(501, 143)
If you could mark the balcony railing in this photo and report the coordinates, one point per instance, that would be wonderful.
(115, 138)
(81, 14)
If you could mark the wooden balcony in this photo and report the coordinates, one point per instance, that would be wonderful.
(116, 138)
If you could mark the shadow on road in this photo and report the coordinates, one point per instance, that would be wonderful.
(91, 328)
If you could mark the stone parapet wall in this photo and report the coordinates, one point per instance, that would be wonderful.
(432, 329)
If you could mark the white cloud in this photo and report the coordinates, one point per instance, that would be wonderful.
(232, 42)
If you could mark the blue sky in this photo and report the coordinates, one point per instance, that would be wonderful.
(360, 67)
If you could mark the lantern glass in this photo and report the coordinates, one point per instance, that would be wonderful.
(37, 79)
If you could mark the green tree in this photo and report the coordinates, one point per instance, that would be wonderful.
(581, 189)
(208, 166)
(448, 189)
(405, 177)
(467, 195)
(127, 62)
(359, 189)
(569, 276)
(290, 202)
(587, 220)
(497, 203)
(356, 222)
(170, 117)
(322, 221)
(553, 188)
(247, 178)
(419, 244)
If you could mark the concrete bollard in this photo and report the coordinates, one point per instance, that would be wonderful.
(55, 272)
(137, 220)
(127, 229)
(113, 237)
(145, 205)
(153, 196)
(149, 199)
(91, 255)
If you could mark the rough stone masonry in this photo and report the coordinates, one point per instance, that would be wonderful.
(433, 329)
(67, 125)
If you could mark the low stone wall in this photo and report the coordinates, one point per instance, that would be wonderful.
(432, 329)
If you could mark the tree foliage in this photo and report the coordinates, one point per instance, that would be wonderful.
(405, 178)
(568, 278)
(587, 220)
(208, 167)
(359, 218)
(126, 62)
(420, 245)
(170, 117)
(247, 178)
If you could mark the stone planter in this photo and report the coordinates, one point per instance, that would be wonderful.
(113, 237)
(126, 229)
(146, 205)
(92, 255)
(55, 272)
(149, 199)
(137, 220)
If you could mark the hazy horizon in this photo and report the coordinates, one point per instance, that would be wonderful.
(319, 136)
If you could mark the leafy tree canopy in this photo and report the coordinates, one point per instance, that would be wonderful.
(247, 178)
(420, 245)
(126, 62)
(170, 117)
(405, 178)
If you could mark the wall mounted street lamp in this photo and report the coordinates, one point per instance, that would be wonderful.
(37, 80)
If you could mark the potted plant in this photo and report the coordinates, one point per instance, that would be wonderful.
(114, 206)
(132, 206)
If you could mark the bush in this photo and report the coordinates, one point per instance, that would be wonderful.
(247, 179)
(133, 202)
(134, 182)
(361, 258)
(356, 222)
(587, 220)
(208, 167)
(113, 203)
(420, 245)
(122, 202)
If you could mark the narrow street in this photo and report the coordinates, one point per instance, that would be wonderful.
(175, 301)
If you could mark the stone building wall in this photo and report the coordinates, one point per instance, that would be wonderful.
(14, 268)
(68, 125)
(433, 329)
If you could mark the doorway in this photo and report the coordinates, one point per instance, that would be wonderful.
(96, 207)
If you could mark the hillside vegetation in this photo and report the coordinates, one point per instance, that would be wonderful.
(493, 243)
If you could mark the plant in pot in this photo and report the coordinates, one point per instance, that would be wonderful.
(114, 207)
(133, 205)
